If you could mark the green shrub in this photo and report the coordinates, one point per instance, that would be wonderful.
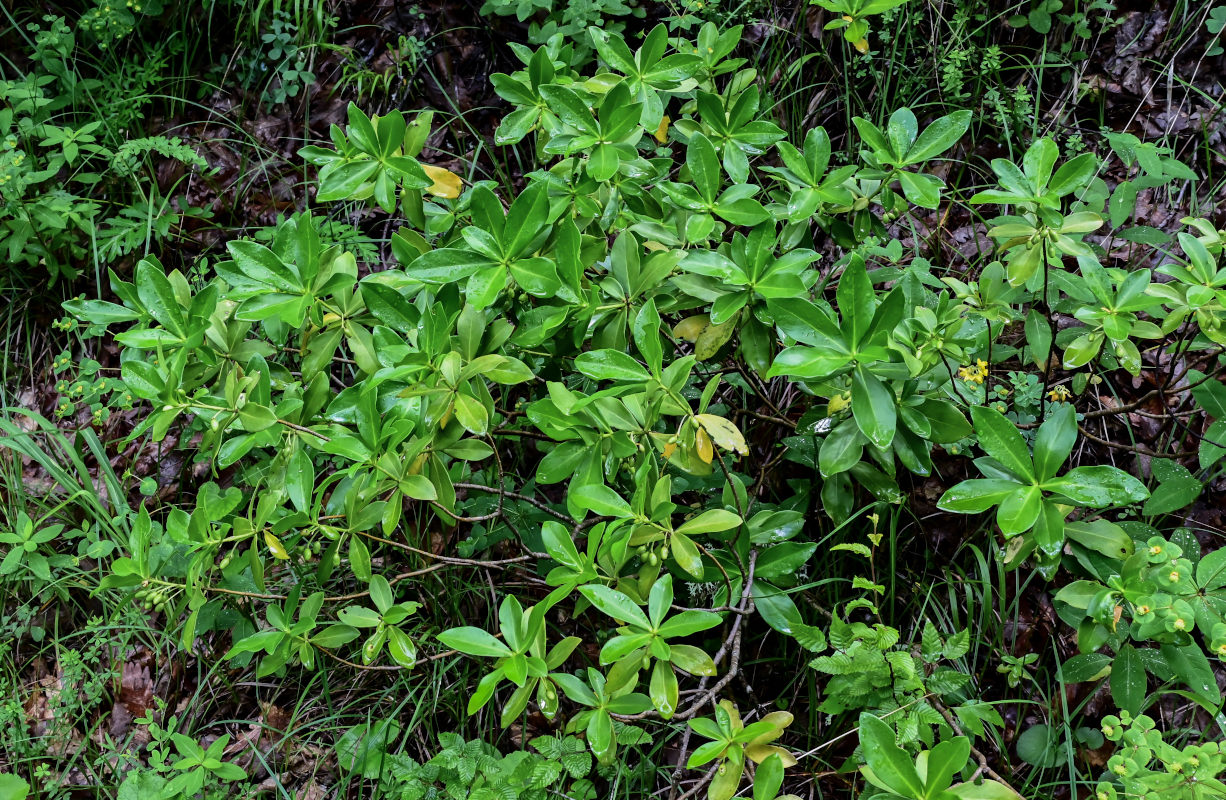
(650, 320)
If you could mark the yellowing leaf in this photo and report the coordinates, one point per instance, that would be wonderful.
(712, 338)
(861, 45)
(723, 433)
(760, 752)
(275, 546)
(418, 463)
(661, 133)
(446, 183)
(690, 328)
(702, 443)
(778, 720)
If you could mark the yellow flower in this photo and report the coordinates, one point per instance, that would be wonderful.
(976, 373)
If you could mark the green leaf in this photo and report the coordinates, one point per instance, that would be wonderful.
(100, 312)
(1213, 445)
(1038, 337)
(875, 139)
(359, 617)
(938, 137)
(610, 365)
(703, 163)
(1176, 488)
(300, 479)
(1040, 745)
(977, 495)
(342, 180)
(359, 558)
(138, 784)
(1211, 394)
(158, 297)
(1054, 441)
(1073, 174)
(647, 336)
(988, 790)
(262, 265)
(686, 554)
(559, 544)
(1001, 440)
(1101, 536)
(945, 760)
(1211, 571)
(255, 417)
(474, 642)
(1085, 667)
(1098, 487)
(841, 449)
(381, 593)
(1190, 665)
(888, 762)
(807, 362)
(778, 610)
(603, 162)
(958, 645)
(14, 788)
(600, 735)
(418, 487)
(856, 300)
(688, 622)
(447, 265)
(663, 689)
(616, 605)
(872, 405)
(711, 521)
(600, 499)
(768, 778)
(784, 559)
(144, 379)
(471, 413)
(902, 129)
(1128, 682)
(390, 307)
(569, 108)
(920, 189)
(1019, 510)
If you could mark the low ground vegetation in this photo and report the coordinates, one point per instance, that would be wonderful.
(613, 399)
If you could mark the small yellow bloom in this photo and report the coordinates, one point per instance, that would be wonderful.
(974, 374)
